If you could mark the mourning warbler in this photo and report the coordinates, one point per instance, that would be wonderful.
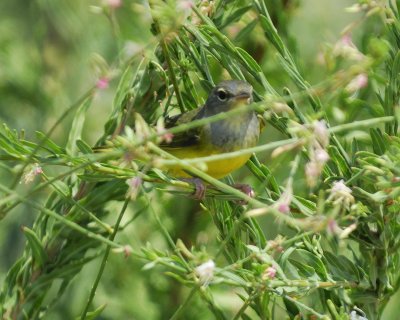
(231, 134)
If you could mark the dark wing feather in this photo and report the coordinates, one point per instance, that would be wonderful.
(187, 138)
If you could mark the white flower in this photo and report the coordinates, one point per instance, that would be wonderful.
(321, 132)
(334, 229)
(340, 189)
(355, 316)
(318, 155)
(321, 156)
(357, 83)
(205, 272)
(313, 169)
(341, 194)
(312, 172)
(36, 169)
(347, 49)
(134, 187)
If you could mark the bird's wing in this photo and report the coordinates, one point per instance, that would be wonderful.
(186, 138)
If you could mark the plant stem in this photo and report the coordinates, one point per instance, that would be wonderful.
(61, 218)
(104, 261)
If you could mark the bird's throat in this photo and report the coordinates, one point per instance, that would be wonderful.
(237, 132)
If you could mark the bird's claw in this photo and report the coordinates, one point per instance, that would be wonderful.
(200, 188)
(246, 189)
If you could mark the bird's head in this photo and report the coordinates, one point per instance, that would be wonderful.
(228, 95)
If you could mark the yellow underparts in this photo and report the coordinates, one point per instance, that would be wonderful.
(217, 168)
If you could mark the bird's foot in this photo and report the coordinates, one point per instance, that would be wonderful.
(200, 188)
(246, 189)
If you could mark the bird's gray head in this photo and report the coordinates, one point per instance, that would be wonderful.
(228, 95)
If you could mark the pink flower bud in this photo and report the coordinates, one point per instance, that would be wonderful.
(270, 272)
(134, 187)
(114, 3)
(357, 83)
(102, 83)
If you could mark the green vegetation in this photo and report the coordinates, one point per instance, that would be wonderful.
(92, 228)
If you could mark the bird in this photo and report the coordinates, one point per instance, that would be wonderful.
(233, 133)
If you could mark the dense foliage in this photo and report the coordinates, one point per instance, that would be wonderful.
(92, 227)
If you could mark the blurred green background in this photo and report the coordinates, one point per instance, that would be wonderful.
(49, 57)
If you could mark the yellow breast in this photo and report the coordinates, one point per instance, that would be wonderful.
(235, 133)
(217, 168)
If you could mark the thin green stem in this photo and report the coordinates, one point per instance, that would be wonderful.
(88, 161)
(245, 305)
(361, 124)
(172, 75)
(183, 305)
(61, 218)
(303, 306)
(49, 133)
(166, 234)
(167, 56)
(272, 145)
(104, 261)
(80, 207)
(311, 284)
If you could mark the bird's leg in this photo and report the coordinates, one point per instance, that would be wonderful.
(246, 189)
(200, 188)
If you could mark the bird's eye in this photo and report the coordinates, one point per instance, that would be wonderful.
(222, 94)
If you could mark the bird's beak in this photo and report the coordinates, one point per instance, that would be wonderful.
(243, 97)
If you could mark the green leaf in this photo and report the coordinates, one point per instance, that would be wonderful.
(200, 35)
(246, 30)
(232, 277)
(271, 33)
(235, 16)
(245, 317)
(309, 259)
(339, 161)
(377, 197)
(83, 147)
(307, 207)
(94, 314)
(378, 141)
(8, 147)
(77, 126)
(62, 188)
(48, 143)
(263, 174)
(38, 252)
(12, 276)
(341, 267)
(291, 308)
(304, 270)
(125, 83)
(247, 58)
